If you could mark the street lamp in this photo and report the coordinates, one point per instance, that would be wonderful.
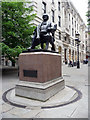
(78, 43)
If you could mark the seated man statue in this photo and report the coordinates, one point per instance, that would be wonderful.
(44, 33)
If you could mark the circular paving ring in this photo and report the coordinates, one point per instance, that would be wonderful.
(79, 96)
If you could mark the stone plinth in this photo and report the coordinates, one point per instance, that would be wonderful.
(39, 66)
(39, 91)
(40, 75)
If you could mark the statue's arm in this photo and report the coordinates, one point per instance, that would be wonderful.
(38, 31)
(52, 27)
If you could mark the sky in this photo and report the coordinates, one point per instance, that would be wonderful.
(82, 7)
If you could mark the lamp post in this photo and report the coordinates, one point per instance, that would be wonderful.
(78, 43)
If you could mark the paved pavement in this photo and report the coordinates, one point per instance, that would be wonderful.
(73, 77)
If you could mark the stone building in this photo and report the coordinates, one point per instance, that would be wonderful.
(87, 36)
(69, 22)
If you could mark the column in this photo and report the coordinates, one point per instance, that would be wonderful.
(68, 55)
(62, 54)
(71, 54)
(74, 56)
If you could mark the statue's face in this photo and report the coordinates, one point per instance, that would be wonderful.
(45, 17)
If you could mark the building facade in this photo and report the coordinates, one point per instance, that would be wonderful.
(87, 36)
(69, 22)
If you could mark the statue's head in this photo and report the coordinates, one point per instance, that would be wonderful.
(45, 17)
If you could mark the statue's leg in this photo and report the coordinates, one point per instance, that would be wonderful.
(47, 44)
(52, 43)
(33, 44)
(42, 45)
(53, 47)
(32, 47)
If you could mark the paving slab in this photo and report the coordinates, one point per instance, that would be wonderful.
(24, 113)
(8, 115)
(61, 112)
(80, 112)
(18, 111)
(6, 108)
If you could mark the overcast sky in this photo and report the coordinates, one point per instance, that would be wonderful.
(82, 7)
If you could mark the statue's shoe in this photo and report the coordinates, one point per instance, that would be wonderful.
(29, 48)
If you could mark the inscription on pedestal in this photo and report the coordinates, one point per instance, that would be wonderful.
(30, 73)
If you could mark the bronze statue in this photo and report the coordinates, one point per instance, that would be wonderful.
(44, 33)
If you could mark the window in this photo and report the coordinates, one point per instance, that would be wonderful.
(69, 41)
(75, 15)
(72, 32)
(59, 36)
(59, 6)
(69, 17)
(59, 21)
(73, 42)
(44, 7)
(65, 38)
(52, 15)
(75, 33)
(52, 1)
(69, 28)
(72, 20)
(75, 24)
(72, 11)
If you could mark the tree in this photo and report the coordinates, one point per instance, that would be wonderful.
(16, 28)
(11, 53)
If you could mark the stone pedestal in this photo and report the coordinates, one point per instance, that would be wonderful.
(40, 75)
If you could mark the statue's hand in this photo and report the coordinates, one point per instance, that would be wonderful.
(38, 38)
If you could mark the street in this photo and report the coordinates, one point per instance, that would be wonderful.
(77, 78)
